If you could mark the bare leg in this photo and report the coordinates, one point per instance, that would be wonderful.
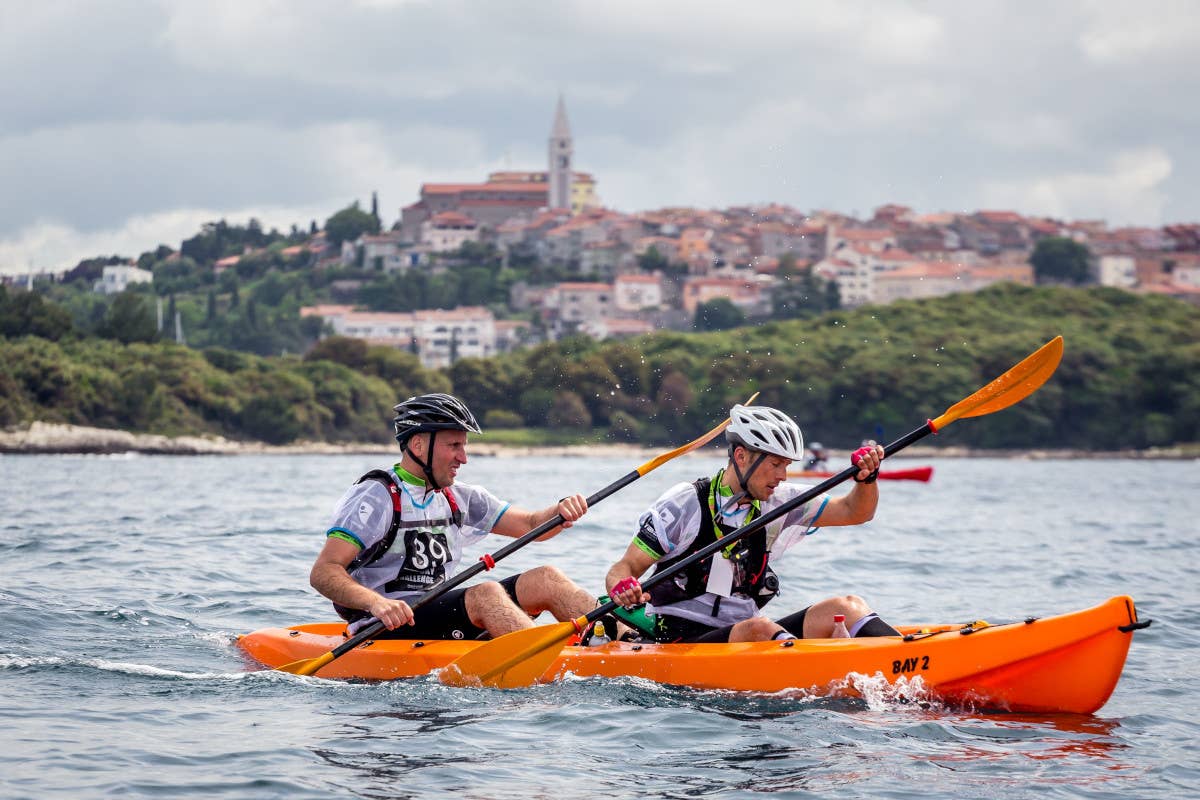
(755, 629)
(490, 608)
(548, 589)
(818, 621)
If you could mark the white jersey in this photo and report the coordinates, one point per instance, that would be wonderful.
(668, 529)
(428, 545)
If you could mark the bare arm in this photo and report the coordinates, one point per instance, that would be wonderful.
(633, 564)
(859, 505)
(519, 521)
(329, 577)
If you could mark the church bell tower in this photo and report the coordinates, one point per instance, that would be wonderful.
(560, 152)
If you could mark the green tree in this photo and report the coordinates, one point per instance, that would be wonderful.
(1057, 259)
(534, 405)
(787, 265)
(341, 350)
(350, 223)
(652, 260)
(803, 294)
(130, 319)
(271, 419)
(568, 411)
(29, 314)
(501, 418)
(625, 426)
(718, 314)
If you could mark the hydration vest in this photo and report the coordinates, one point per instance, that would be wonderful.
(371, 554)
(758, 581)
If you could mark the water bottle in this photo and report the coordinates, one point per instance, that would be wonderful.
(839, 627)
(599, 637)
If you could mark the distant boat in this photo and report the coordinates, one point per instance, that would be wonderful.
(910, 474)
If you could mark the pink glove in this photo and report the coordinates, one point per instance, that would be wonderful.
(856, 457)
(625, 584)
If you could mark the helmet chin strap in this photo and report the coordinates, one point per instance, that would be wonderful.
(426, 466)
(743, 480)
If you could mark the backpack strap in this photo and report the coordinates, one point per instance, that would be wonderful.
(383, 545)
(455, 514)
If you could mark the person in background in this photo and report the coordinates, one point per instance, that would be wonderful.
(719, 599)
(398, 533)
(817, 459)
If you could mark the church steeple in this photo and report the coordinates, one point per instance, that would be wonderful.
(561, 150)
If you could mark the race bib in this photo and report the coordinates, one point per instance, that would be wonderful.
(426, 552)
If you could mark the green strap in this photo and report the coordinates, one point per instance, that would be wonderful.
(718, 487)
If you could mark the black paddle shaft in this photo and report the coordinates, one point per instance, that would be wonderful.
(766, 519)
(484, 563)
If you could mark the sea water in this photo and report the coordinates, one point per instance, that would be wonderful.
(124, 581)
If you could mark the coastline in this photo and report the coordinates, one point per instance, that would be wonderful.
(43, 438)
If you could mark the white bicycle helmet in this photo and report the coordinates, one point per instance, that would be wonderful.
(765, 429)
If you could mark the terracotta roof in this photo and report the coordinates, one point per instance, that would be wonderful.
(865, 234)
(328, 310)
(452, 219)
(922, 269)
(523, 187)
(619, 325)
(584, 287)
(1000, 216)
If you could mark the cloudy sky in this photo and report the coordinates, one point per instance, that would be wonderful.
(129, 123)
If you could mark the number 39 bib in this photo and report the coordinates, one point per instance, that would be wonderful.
(426, 551)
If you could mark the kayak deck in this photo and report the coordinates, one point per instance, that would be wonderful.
(1065, 663)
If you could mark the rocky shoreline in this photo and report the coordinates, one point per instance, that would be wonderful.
(51, 438)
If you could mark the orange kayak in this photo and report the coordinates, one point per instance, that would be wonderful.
(1065, 663)
(909, 474)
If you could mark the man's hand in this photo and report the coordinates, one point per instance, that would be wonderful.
(867, 459)
(392, 613)
(628, 592)
(572, 507)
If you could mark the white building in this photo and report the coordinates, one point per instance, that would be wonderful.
(437, 336)
(116, 279)
(636, 292)
(448, 231)
(568, 306)
(1117, 270)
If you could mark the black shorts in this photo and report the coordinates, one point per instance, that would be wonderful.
(670, 629)
(446, 617)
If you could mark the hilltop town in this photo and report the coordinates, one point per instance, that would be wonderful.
(576, 267)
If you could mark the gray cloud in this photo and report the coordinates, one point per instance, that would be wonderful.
(123, 114)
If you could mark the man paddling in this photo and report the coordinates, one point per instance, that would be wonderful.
(397, 534)
(719, 598)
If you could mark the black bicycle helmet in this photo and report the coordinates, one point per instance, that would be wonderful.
(432, 412)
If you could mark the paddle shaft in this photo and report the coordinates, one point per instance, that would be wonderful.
(766, 519)
(481, 565)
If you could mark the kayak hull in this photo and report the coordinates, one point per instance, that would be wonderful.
(1065, 663)
(908, 474)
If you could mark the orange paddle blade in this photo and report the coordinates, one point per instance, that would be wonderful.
(515, 659)
(658, 461)
(307, 666)
(1013, 386)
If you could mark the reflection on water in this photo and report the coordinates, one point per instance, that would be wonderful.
(983, 743)
(426, 721)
